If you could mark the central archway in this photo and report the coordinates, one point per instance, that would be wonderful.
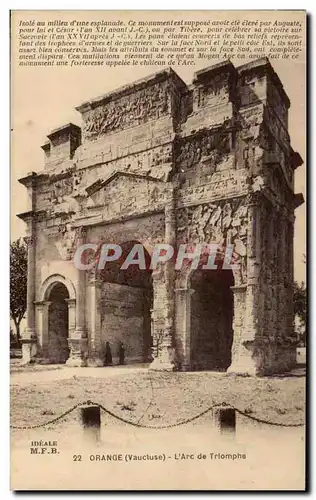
(125, 307)
(58, 348)
(211, 319)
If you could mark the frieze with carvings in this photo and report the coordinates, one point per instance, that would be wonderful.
(223, 223)
(146, 104)
(219, 185)
(211, 146)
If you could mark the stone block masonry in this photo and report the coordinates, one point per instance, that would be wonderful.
(160, 161)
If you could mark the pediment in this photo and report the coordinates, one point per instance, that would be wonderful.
(126, 193)
(120, 177)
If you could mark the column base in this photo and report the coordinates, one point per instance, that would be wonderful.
(241, 369)
(29, 346)
(164, 361)
(95, 362)
(185, 367)
(161, 366)
(76, 362)
(245, 363)
(78, 352)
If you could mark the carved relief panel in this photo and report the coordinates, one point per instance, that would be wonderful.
(211, 92)
(212, 146)
(131, 110)
(224, 223)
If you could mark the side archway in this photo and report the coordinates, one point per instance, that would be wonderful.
(211, 319)
(55, 317)
(205, 316)
(49, 283)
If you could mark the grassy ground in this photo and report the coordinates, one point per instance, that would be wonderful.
(161, 398)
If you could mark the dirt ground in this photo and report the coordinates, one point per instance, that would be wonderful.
(155, 398)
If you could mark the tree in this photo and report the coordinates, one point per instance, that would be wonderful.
(300, 306)
(18, 282)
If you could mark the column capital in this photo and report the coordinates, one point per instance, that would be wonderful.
(71, 302)
(253, 198)
(239, 288)
(81, 232)
(30, 240)
(42, 303)
(184, 291)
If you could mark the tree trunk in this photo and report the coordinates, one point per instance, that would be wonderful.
(17, 331)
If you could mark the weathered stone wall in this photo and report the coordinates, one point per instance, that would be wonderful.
(160, 161)
(124, 312)
(147, 230)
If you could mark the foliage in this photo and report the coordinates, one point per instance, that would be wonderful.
(300, 299)
(18, 282)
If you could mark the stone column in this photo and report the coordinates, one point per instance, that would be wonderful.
(29, 340)
(275, 269)
(285, 349)
(290, 275)
(165, 359)
(245, 355)
(241, 361)
(289, 351)
(78, 343)
(183, 325)
(42, 309)
(268, 327)
(71, 317)
(282, 250)
(95, 354)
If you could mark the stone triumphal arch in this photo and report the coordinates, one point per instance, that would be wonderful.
(160, 161)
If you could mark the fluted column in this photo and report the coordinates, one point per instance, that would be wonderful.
(42, 308)
(282, 250)
(290, 275)
(245, 357)
(165, 359)
(95, 341)
(71, 316)
(183, 325)
(29, 334)
(78, 343)
(169, 274)
(252, 267)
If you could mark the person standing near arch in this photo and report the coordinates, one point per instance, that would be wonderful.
(121, 353)
(108, 354)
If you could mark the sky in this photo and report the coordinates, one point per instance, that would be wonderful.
(43, 99)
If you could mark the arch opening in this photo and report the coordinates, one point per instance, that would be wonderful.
(58, 323)
(211, 328)
(125, 309)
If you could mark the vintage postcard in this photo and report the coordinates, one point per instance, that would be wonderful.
(158, 296)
